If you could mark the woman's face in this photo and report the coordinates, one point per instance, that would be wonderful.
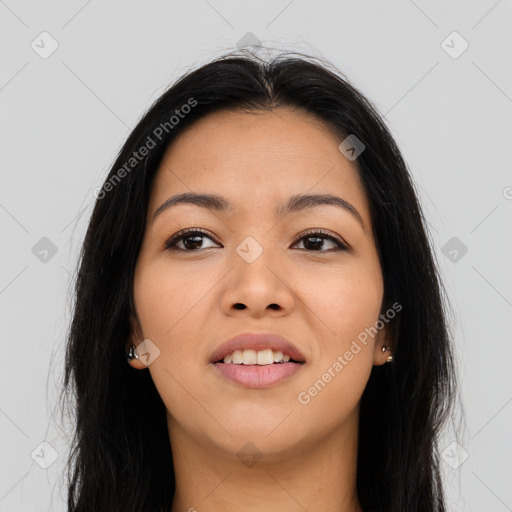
(253, 272)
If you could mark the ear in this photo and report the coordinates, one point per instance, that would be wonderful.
(384, 338)
(135, 339)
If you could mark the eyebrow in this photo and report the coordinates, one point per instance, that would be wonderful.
(296, 203)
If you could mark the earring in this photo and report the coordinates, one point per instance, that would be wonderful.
(390, 358)
(132, 354)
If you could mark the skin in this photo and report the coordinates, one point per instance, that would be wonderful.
(185, 304)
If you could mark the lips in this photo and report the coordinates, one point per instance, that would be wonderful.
(257, 342)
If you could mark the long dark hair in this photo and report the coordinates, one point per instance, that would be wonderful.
(121, 457)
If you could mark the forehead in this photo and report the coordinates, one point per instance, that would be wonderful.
(277, 135)
(256, 157)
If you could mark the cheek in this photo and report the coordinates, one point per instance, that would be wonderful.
(169, 309)
(357, 305)
(343, 360)
(168, 300)
(347, 301)
(347, 305)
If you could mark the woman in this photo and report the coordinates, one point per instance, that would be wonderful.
(259, 322)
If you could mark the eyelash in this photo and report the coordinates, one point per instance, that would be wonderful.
(170, 245)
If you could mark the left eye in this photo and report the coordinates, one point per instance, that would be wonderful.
(316, 239)
(192, 241)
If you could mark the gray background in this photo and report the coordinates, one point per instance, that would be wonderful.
(63, 119)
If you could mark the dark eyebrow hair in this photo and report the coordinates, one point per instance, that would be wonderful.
(295, 203)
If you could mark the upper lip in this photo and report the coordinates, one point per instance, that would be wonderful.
(255, 341)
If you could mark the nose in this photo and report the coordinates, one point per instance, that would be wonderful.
(257, 289)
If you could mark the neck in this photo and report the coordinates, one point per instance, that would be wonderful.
(319, 474)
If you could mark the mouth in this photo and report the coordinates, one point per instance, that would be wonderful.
(257, 360)
(257, 369)
(257, 357)
(258, 376)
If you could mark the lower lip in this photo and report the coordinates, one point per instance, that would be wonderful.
(258, 376)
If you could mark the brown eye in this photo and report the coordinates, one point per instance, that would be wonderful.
(190, 240)
(315, 241)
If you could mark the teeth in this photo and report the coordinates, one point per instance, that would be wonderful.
(261, 357)
(278, 356)
(264, 356)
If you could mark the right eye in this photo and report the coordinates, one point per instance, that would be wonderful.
(190, 240)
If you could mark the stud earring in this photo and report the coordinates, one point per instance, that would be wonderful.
(390, 358)
(132, 354)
